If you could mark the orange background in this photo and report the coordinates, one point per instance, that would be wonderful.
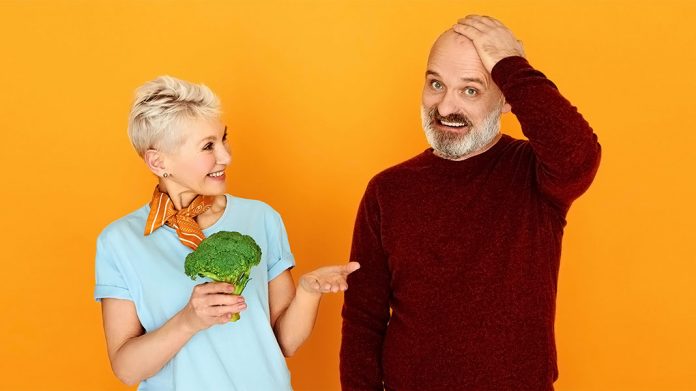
(320, 96)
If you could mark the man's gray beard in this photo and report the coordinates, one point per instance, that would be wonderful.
(452, 145)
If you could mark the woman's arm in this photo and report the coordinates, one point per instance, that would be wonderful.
(294, 310)
(136, 355)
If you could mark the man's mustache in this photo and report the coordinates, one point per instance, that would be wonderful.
(454, 117)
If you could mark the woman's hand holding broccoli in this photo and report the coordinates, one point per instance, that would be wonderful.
(224, 257)
(211, 303)
(328, 278)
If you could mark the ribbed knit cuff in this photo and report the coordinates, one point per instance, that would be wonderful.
(505, 68)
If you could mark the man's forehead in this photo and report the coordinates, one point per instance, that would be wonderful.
(455, 52)
(465, 77)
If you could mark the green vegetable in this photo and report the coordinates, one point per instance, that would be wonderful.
(225, 257)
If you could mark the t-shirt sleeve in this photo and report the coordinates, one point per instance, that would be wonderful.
(279, 256)
(110, 280)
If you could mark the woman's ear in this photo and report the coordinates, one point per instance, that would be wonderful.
(155, 162)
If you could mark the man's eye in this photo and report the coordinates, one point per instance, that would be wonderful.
(436, 85)
(470, 91)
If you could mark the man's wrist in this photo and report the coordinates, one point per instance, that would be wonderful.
(506, 67)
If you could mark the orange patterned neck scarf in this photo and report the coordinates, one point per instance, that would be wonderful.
(162, 212)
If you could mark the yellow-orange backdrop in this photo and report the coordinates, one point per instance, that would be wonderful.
(319, 96)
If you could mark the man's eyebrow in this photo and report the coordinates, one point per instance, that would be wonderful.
(473, 80)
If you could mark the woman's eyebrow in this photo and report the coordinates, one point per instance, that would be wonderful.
(212, 138)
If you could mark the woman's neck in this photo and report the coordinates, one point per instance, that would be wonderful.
(213, 214)
(180, 199)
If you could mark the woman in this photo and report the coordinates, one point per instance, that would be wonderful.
(164, 330)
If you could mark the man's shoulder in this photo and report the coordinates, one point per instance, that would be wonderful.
(511, 145)
(406, 168)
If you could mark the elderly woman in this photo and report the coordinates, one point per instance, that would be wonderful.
(164, 330)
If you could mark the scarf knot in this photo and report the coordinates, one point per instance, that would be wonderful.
(162, 212)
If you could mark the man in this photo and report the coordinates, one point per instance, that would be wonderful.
(460, 245)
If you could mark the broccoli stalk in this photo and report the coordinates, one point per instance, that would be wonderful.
(224, 257)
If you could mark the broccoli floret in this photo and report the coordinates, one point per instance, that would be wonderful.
(224, 257)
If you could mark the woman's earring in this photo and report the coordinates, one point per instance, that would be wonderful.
(165, 175)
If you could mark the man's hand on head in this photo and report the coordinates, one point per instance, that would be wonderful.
(492, 40)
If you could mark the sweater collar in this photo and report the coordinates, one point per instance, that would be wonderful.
(431, 158)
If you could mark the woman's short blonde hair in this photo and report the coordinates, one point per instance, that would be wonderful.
(161, 105)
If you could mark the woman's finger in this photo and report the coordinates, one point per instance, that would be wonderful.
(222, 319)
(213, 288)
(350, 267)
(221, 310)
(223, 299)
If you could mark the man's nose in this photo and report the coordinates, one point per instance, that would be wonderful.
(449, 104)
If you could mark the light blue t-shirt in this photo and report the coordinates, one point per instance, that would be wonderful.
(149, 270)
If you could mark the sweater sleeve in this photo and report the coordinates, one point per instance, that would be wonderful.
(366, 302)
(566, 149)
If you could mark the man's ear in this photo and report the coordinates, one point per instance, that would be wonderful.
(506, 108)
(155, 161)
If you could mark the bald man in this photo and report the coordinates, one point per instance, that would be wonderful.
(460, 245)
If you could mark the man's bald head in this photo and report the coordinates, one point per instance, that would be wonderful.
(450, 44)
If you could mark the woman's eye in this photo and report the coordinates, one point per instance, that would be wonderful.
(208, 147)
(436, 85)
(470, 91)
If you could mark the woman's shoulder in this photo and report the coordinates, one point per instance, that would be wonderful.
(252, 211)
(132, 223)
(249, 205)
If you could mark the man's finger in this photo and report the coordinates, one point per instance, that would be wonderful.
(466, 25)
(478, 24)
(490, 21)
(468, 17)
(497, 22)
(466, 31)
(477, 21)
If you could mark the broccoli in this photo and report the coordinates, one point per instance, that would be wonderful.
(224, 257)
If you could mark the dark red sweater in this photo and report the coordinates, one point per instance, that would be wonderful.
(466, 255)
